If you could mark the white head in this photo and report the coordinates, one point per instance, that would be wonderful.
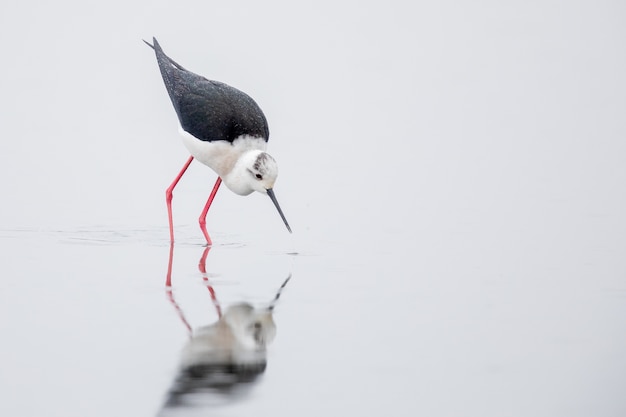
(255, 170)
(252, 327)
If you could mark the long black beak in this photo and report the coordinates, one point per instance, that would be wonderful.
(270, 192)
(277, 296)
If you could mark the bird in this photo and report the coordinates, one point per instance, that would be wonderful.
(223, 128)
(227, 354)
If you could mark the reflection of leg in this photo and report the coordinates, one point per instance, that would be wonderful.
(202, 219)
(168, 278)
(168, 196)
(205, 278)
(179, 311)
(170, 293)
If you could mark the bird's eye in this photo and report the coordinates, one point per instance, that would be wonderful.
(259, 176)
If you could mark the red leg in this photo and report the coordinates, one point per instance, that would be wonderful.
(202, 218)
(205, 278)
(170, 293)
(168, 277)
(179, 311)
(168, 196)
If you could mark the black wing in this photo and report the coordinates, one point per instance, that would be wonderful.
(209, 110)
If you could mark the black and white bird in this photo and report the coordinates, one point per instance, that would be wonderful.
(227, 355)
(224, 129)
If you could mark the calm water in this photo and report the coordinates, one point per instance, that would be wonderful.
(90, 328)
(453, 175)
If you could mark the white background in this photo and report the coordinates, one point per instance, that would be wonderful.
(453, 172)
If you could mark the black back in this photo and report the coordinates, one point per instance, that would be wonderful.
(209, 110)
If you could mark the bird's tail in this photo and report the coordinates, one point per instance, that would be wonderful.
(159, 52)
(148, 43)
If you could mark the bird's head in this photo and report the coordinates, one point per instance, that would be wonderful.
(263, 171)
(251, 326)
(255, 171)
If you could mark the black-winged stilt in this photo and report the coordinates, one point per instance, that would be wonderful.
(225, 355)
(224, 129)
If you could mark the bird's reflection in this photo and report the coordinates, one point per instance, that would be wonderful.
(220, 360)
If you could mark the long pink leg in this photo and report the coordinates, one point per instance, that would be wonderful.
(202, 219)
(168, 277)
(205, 278)
(179, 311)
(170, 293)
(168, 196)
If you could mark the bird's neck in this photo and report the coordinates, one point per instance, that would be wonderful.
(238, 178)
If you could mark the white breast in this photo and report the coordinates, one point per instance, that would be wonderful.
(220, 155)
